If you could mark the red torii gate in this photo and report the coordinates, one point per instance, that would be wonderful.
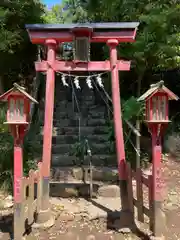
(52, 35)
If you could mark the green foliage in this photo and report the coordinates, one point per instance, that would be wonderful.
(67, 12)
(6, 150)
(158, 39)
(16, 50)
(79, 150)
(55, 14)
(30, 150)
(131, 108)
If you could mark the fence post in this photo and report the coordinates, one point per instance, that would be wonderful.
(150, 179)
(31, 197)
(39, 187)
(139, 194)
(130, 188)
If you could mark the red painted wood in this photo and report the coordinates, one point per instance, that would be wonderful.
(156, 171)
(150, 198)
(151, 109)
(147, 110)
(158, 94)
(90, 66)
(117, 110)
(82, 32)
(167, 108)
(26, 108)
(165, 92)
(49, 107)
(157, 107)
(39, 37)
(18, 172)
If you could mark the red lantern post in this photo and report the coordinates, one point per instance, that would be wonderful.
(18, 120)
(157, 118)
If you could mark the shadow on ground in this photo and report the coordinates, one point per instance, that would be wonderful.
(6, 226)
(112, 220)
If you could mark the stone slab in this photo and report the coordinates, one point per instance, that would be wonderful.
(109, 191)
(103, 174)
(59, 160)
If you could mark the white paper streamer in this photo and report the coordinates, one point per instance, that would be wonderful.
(99, 81)
(76, 82)
(63, 79)
(89, 82)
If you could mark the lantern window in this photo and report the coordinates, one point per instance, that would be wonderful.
(159, 108)
(154, 108)
(163, 107)
(20, 109)
(16, 110)
(11, 109)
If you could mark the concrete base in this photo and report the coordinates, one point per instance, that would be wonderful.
(45, 219)
(159, 224)
(44, 216)
(125, 223)
(157, 238)
(45, 225)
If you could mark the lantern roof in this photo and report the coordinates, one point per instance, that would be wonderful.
(16, 88)
(155, 88)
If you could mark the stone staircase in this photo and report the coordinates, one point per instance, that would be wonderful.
(67, 128)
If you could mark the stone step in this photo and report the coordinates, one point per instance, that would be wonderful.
(59, 160)
(85, 131)
(60, 95)
(67, 174)
(96, 148)
(69, 113)
(60, 105)
(80, 189)
(71, 139)
(75, 122)
(81, 105)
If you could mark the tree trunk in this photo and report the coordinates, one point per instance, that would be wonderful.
(138, 125)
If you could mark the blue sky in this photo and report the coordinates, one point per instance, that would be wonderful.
(51, 2)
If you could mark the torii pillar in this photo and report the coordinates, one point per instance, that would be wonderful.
(52, 35)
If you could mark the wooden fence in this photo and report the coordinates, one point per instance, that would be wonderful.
(138, 200)
(30, 205)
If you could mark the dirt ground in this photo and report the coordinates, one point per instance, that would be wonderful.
(171, 174)
(79, 226)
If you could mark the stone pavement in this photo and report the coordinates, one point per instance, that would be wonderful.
(93, 209)
(81, 219)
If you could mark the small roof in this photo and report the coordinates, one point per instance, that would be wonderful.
(154, 88)
(113, 26)
(16, 87)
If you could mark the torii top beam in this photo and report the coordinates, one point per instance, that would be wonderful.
(100, 32)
